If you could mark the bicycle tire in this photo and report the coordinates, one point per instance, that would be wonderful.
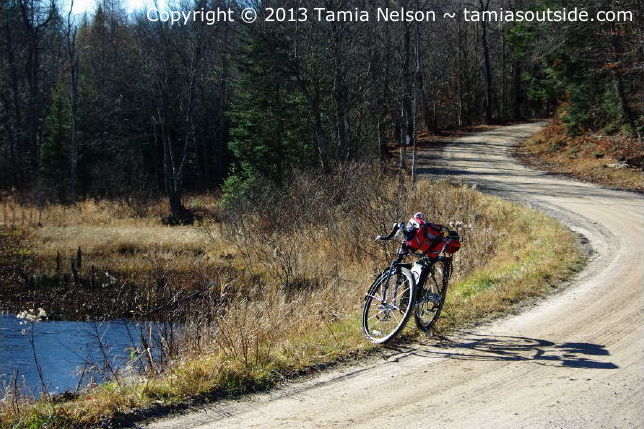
(377, 311)
(427, 312)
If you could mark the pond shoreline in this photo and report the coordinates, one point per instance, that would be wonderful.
(66, 295)
(59, 294)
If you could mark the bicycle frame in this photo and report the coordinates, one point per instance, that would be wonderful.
(386, 303)
(426, 263)
(396, 264)
(427, 266)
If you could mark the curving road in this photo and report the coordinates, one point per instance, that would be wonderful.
(573, 361)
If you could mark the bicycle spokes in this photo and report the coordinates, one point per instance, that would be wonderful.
(388, 305)
(431, 297)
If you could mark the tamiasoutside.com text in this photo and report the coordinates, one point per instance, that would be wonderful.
(321, 14)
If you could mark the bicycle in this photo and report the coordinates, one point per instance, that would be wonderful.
(420, 287)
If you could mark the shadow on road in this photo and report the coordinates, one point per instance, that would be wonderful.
(520, 349)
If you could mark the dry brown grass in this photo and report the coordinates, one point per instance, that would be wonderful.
(287, 270)
(587, 157)
(115, 213)
(126, 239)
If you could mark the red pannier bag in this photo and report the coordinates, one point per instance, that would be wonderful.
(453, 242)
(430, 239)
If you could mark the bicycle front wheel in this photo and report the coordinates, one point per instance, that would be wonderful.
(432, 297)
(388, 304)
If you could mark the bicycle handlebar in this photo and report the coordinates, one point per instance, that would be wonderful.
(397, 227)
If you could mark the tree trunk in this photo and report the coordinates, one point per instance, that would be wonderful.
(379, 88)
(503, 89)
(178, 213)
(73, 95)
(417, 96)
(339, 94)
(176, 206)
(406, 120)
(382, 96)
(460, 71)
(487, 66)
(403, 139)
(518, 99)
(626, 112)
(73, 145)
(16, 123)
(34, 22)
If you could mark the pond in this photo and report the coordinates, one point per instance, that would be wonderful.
(70, 354)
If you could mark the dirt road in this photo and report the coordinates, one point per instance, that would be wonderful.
(574, 361)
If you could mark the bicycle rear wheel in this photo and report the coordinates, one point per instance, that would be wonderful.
(432, 296)
(388, 304)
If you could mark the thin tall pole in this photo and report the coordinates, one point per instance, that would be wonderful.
(416, 99)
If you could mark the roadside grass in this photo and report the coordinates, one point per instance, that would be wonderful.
(531, 265)
(615, 161)
(298, 263)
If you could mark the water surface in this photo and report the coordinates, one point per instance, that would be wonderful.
(64, 351)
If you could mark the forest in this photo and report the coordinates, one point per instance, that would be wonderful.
(109, 104)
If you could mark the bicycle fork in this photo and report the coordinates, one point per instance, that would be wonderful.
(394, 268)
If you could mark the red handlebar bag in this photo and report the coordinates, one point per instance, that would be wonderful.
(428, 239)
(423, 237)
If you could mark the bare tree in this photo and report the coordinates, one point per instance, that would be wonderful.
(73, 59)
(487, 68)
(36, 17)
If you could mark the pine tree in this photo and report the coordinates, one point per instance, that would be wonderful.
(589, 66)
(54, 164)
(269, 135)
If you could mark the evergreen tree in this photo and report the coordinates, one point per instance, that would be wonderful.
(590, 67)
(269, 134)
(54, 152)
